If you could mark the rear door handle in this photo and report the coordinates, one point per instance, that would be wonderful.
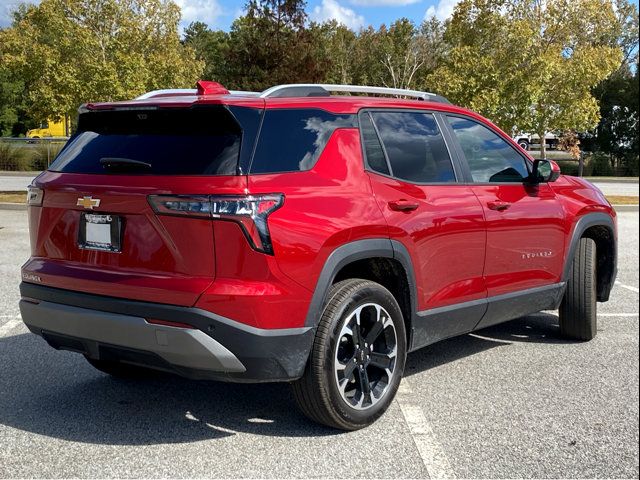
(499, 206)
(403, 205)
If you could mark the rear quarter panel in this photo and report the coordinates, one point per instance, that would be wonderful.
(325, 207)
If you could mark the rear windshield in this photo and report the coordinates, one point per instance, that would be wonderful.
(202, 140)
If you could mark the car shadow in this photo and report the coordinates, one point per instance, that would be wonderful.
(536, 328)
(58, 394)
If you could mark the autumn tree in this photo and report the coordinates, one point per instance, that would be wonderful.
(530, 64)
(68, 52)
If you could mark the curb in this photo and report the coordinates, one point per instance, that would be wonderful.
(13, 206)
(626, 208)
(11, 173)
(611, 180)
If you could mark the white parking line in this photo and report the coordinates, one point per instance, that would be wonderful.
(628, 287)
(433, 457)
(618, 314)
(10, 325)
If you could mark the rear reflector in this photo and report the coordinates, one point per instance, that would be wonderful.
(167, 323)
(34, 196)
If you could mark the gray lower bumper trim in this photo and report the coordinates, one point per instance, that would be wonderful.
(188, 348)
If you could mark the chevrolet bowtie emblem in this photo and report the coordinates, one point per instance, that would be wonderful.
(88, 202)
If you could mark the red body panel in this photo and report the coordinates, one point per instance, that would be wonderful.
(164, 259)
(445, 236)
(461, 249)
(526, 241)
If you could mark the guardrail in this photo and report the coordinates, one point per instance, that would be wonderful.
(29, 154)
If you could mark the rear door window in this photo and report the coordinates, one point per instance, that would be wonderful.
(414, 146)
(376, 159)
(202, 140)
(292, 140)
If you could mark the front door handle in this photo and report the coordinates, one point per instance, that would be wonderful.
(402, 205)
(499, 206)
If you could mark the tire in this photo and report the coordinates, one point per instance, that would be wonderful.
(524, 144)
(350, 318)
(579, 308)
(123, 370)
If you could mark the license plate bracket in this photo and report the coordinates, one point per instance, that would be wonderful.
(101, 232)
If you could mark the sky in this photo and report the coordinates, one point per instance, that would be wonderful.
(352, 13)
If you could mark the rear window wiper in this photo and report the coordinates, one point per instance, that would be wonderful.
(112, 163)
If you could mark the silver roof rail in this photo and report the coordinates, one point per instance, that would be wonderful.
(321, 89)
(167, 93)
(177, 92)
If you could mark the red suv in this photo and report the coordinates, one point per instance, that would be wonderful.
(295, 236)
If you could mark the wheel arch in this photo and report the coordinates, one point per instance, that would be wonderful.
(381, 260)
(601, 228)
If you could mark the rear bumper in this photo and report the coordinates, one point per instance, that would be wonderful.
(215, 348)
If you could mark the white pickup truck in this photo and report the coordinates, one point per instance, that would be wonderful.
(525, 140)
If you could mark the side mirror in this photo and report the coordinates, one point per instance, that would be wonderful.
(545, 171)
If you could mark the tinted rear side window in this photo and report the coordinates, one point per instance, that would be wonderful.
(292, 140)
(372, 146)
(415, 147)
(195, 141)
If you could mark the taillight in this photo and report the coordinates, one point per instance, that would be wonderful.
(35, 196)
(249, 211)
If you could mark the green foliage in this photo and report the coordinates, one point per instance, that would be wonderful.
(13, 158)
(529, 64)
(211, 47)
(599, 165)
(24, 157)
(11, 90)
(68, 52)
(533, 65)
(271, 45)
(568, 167)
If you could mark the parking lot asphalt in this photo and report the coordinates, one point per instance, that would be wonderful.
(513, 400)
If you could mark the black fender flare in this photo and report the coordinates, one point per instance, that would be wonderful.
(594, 219)
(354, 251)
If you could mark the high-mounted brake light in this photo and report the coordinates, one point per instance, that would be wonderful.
(249, 211)
(35, 196)
(205, 87)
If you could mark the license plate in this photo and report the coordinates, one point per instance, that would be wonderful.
(100, 232)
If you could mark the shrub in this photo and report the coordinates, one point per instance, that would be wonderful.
(14, 158)
(568, 167)
(599, 165)
(630, 163)
(42, 155)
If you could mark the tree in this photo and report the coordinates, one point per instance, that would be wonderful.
(408, 53)
(617, 132)
(530, 64)
(272, 45)
(341, 42)
(10, 91)
(68, 52)
(211, 47)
